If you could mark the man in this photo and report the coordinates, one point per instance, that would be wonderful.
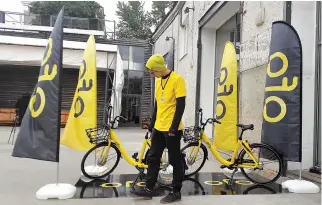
(165, 127)
(21, 106)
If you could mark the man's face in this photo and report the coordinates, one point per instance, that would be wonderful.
(157, 74)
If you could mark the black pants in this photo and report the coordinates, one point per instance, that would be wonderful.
(160, 140)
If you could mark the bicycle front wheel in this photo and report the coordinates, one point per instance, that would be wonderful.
(269, 161)
(195, 158)
(97, 164)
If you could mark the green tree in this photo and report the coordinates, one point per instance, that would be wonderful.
(160, 10)
(82, 9)
(134, 22)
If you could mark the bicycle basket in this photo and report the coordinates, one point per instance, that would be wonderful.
(191, 134)
(98, 134)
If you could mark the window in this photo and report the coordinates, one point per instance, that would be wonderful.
(135, 82)
(133, 69)
(169, 59)
(137, 56)
(183, 40)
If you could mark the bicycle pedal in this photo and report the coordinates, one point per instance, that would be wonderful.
(223, 166)
(228, 167)
(135, 155)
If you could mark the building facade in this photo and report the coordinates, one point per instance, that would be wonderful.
(199, 30)
(23, 38)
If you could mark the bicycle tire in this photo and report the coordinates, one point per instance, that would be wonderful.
(118, 153)
(204, 149)
(256, 145)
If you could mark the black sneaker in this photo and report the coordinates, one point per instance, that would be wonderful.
(171, 197)
(145, 193)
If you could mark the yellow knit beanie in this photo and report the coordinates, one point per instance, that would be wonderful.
(156, 63)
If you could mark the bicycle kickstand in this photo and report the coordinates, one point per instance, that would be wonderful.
(230, 182)
(140, 175)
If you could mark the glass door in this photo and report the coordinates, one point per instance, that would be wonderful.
(131, 110)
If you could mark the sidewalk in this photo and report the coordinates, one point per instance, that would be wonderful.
(21, 178)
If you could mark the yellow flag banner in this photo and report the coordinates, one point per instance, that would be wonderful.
(225, 135)
(83, 112)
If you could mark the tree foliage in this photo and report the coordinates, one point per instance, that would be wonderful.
(159, 11)
(81, 9)
(135, 22)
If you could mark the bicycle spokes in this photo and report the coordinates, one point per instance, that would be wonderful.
(100, 161)
(194, 158)
(266, 166)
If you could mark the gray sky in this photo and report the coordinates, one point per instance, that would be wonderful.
(109, 7)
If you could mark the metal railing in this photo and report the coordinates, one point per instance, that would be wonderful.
(14, 18)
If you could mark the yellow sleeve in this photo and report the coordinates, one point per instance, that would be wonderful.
(180, 88)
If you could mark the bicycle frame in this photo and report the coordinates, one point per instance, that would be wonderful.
(114, 139)
(241, 143)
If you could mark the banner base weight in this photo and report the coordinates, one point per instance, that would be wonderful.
(300, 186)
(56, 191)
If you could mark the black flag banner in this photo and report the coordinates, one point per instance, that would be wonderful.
(39, 135)
(282, 113)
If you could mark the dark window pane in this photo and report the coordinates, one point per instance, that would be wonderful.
(131, 109)
(125, 65)
(137, 62)
(135, 82)
(124, 52)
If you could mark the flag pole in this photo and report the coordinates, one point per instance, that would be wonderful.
(57, 182)
(60, 90)
(301, 165)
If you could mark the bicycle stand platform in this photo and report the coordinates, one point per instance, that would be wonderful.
(204, 183)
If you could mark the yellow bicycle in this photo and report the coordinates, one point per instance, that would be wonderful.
(196, 138)
(108, 147)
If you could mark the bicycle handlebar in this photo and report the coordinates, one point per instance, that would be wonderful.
(118, 117)
(209, 120)
(109, 115)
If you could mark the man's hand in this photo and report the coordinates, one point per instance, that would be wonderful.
(171, 132)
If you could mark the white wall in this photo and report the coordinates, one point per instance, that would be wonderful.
(305, 11)
(254, 55)
(207, 75)
(32, 56)
(255, 41)
(27, 41)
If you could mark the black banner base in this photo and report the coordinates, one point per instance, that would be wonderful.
(201, 184)
(315, 169)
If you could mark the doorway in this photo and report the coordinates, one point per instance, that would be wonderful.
(229, 31)
(318, 93)
(221, 25)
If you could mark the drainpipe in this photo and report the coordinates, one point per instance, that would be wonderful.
(199, 46)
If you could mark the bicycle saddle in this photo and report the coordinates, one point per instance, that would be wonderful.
(246, 127)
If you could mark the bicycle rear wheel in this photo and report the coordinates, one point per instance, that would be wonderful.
(265, 154)
(98, 165)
